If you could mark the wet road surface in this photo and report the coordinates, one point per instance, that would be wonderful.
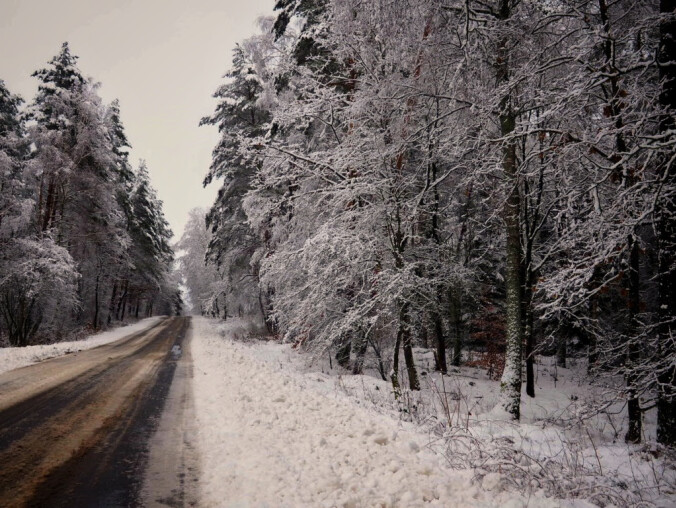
(77, 430)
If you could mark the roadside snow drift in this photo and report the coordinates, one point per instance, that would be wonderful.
(268, 437)
(15, 357)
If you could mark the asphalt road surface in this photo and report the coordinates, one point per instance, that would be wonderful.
(105, 427)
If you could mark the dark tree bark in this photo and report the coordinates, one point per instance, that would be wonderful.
(633, 434)
(394, 376)
(439, 336)
(615, 107)
(440, 343)
(95, 321)
(111, 305)
(361, 344)
(455, 304)
(593, 354)
(343, 351)
(379, 357)
(666, 231)
(50, 205)
(529, 341)
(561, 351)
(123, 301)
(532, 217)
(424, 333)
(405, 327)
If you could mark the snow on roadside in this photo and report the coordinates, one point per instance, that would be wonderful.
(566, 447)
(15, 357)
(268, 437)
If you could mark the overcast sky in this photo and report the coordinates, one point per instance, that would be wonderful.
(162, 59)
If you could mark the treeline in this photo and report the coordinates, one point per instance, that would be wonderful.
(450, 174)
(83, 240)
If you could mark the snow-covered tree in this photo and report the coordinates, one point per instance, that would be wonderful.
(15, 198)
(151, 253)
(500, 170)
(69, 201)
(242, 116)
(206, 290)
(38, 283)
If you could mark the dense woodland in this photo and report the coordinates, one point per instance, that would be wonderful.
(491, 175)
(83, 240)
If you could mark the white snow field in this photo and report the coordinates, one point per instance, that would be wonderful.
(15, 357)
(272, 436)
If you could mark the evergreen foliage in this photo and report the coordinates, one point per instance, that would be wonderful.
(84, 241)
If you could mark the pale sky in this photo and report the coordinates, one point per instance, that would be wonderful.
(162, 59)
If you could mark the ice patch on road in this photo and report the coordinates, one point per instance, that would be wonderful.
(15, 357)
(267, 437)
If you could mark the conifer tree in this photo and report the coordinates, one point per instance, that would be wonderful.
(240, 119)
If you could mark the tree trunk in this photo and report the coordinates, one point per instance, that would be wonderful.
(510, 384)
(441, 344)
(529, 341)
(361, 344)
(265, 312)
(95, 321)
(50, 205)
(455, 304)
(111, 305)
(379, 357)
(633, 434)
(424, 334)
(666, 233)
(561, 351)
(122, 303)
(593, 354)
(440, 356)
(394, 376)
(405, 327)
(615, 105)
(344, 349)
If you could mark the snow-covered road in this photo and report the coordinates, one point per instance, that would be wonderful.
(74, 430)
(267, 437)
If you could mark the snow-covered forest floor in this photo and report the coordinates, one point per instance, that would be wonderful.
(15, 357)
(278, 429)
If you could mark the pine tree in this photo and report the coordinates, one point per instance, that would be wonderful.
(15, 198)
(37, 277)
(240, 119)
(151, 252)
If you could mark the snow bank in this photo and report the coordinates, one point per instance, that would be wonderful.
(15, 357)
(269, 435)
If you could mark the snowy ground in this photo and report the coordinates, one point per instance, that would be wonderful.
(15, 357)
(272, 433)
(569, 442)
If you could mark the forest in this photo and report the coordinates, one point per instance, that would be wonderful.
(493, 177)
(83, 240)
(439, 268)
